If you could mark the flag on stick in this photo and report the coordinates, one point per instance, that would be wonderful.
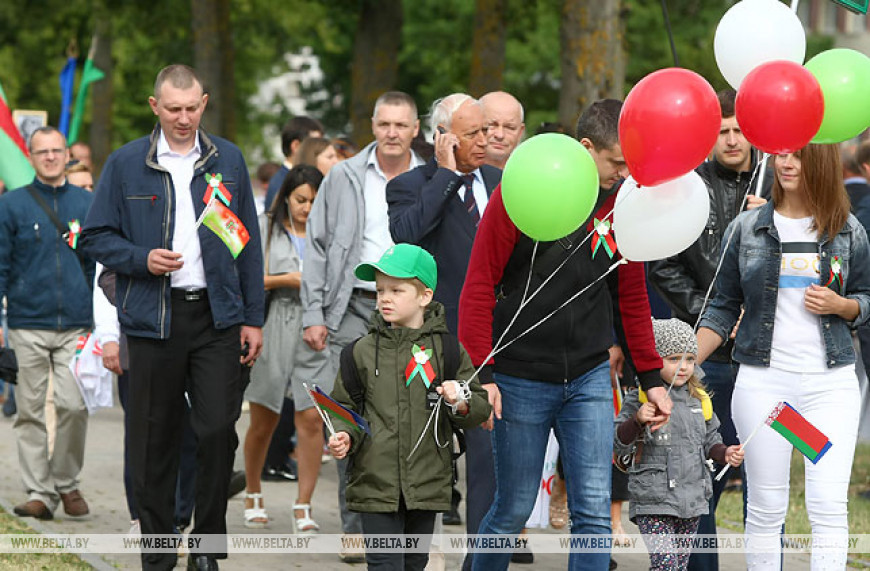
(330, 406)
(90, 74)
(223, 222)
(15, 169)
(798, 430)
(67, 83)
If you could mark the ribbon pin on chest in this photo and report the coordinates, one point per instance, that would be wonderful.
(836, 273)
(603, 236)
(420, 365)
(217, 190)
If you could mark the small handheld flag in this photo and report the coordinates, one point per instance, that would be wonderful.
(328, 405)
(223, 222)
(798, 430)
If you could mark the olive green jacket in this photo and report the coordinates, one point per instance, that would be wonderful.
(397, 414)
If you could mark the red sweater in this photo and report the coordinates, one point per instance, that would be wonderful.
(577, 337)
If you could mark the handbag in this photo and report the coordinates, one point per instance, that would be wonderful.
(8, 365)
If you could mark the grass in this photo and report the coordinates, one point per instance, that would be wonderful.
(33, 561)
(729, 513)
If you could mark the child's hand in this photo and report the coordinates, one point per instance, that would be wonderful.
(449, 390)
(734, 455)
(339, 444)
(646, 413)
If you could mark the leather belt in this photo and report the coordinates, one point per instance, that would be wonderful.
(365, 293)
(182, 294)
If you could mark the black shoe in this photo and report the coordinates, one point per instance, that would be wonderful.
(201, 563)
(237, 483)
(612, 564)
(523, 556)
(285, 473)
(452, 517)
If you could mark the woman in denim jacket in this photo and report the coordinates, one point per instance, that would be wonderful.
(799, 293)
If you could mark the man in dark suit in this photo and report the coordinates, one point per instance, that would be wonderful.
(438, 206)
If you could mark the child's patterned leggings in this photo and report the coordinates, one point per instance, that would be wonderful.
(664, 553)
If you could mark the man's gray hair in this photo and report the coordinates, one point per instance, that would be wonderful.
(443, 109)
(395, 98)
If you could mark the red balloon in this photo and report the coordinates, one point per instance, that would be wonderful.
(780, 107)
(668, 125)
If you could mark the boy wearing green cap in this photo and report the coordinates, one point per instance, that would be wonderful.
(401, 475)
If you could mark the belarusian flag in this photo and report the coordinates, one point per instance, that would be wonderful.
(15, 169)
(90, 74)
(798, 430)
(223, 222)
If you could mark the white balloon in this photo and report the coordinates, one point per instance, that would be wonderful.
(655, 222)
(753, 32)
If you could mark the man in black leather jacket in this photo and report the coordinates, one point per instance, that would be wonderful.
(682, 280)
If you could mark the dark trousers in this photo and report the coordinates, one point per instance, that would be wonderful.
(402, 522)
(480, 481)
(282, 439)
(208, 359)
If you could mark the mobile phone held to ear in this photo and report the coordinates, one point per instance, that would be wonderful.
(443, 131)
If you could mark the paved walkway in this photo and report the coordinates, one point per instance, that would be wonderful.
(103, 487)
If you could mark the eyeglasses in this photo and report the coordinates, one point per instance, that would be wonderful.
(46, 152)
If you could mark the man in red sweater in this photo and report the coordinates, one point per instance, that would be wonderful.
(557, 375)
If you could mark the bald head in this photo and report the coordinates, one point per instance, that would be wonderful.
(504, 120)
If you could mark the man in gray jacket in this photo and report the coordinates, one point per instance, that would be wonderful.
(348, 225)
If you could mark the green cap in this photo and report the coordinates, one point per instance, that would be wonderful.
(402, 261)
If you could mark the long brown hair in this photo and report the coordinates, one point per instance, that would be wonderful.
(821, 183)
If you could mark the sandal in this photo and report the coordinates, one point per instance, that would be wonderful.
(256, 516)
(304, 524)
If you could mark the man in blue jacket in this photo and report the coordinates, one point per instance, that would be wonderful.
(44, 282)
(186, 304)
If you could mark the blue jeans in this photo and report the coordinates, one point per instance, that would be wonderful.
(581, 413)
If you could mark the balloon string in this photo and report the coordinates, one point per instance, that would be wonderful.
(569, 300)
(670, 33)
(524, 301)
(758, 169)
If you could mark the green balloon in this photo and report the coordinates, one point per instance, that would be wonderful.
(549, 186)
(845, 79)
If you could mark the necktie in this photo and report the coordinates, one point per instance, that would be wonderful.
(470, 203)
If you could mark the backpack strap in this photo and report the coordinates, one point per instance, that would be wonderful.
(350, 378)
(61, 229)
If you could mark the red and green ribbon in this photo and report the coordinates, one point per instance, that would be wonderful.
(217, 189)
(604, 236)
(836, 273)
(74, 230)
(420, 365)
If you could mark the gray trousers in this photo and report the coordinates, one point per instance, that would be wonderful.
(40, 352)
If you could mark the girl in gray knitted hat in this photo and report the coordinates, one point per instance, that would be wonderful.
(669, 481)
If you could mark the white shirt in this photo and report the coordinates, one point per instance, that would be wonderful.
(184, 238)
(376, 234)
(797, 343)
(478, 188)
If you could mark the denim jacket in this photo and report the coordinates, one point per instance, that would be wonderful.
(749, 277)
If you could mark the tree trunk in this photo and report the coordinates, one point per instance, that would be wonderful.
(375, 62)
(488, 47)
(214, 58)
(592, 55)
(102, 93)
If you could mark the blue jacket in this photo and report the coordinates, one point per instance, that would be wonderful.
(425, 210)
(750, 277)
(134, 213)
(40, 275)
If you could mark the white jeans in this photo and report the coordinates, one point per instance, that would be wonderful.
(831, 402)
